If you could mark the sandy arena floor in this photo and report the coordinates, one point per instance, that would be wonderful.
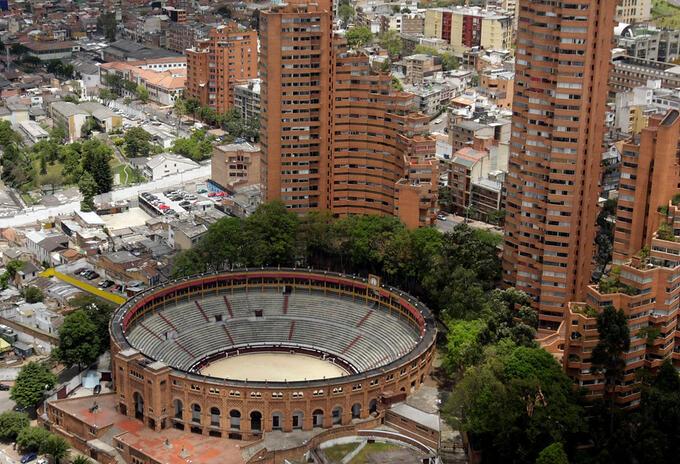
(274, 367)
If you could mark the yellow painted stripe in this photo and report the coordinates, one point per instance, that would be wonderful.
(82, 285)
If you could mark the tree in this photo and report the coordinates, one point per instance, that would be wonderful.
(80, 459)
(137, 142)
(11, 423)
(115, 82)
(32, 439)
(607, 357)
(106, 95)
(31, 383)
(79, 342)
(553, 454)
(462, 348)
(396, 84)
(271, 232)
(358, 36)
(142, 93)
(515, 404)
(107, 22)
(88, 189)
(224, 11)
(56, 447)
(33, 295)
(391, 41)
(197, 147)
(99, 313)
(346, 15)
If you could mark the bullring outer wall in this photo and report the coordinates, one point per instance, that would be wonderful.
(160, 386)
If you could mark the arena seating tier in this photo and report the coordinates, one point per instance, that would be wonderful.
(363, 335)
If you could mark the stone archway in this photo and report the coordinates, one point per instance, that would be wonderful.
(356, 410)
(317, 417)
(255, 421)
(139, 405)
(337, 415)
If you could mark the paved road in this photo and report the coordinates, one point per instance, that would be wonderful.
(5, 403)
(41, 213)
(440, 126)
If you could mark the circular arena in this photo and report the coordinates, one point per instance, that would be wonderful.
(245, 352)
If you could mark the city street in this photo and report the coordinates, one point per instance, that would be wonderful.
(441, 125)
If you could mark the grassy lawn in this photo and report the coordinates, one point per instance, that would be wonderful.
(127, 174)
(665, 14)
(337, 452)
(362, 456)
(27, 198)
(53, 171)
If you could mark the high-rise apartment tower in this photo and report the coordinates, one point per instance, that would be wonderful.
(217, 64)
(562, 64)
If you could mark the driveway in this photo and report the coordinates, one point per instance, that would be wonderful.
(5, 403)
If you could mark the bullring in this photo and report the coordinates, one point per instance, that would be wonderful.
(381, 339)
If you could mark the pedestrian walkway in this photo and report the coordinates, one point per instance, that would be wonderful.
(83, 286)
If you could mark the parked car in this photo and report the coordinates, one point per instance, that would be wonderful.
(212, 194)
(28, 458)
(105, 283)
(201, 191)
(441, 217)
(92, 276)
(43, 460)
(4, 387)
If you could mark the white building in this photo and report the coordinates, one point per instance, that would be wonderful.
(166, 164)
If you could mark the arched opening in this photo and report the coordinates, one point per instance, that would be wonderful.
(373, 406)
(297, 419)
(139, 406)
(277, 421)
(235, 419)
(402, 389)
(317, 415)
(255, 420)
(337, 415)
(179, 409)
(356, 410)
(214, 417)
(196, 413)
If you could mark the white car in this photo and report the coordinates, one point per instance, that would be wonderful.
(437, 121)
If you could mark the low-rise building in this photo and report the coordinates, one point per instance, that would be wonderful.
(421, 66)
(49, 51)
(235, 165)
(32, 131)
(45, 245)
(69, 116)
(165, 79)
(104, 117)
(183, 235)
(165, 164)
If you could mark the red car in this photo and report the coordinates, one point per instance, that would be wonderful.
(212, 194)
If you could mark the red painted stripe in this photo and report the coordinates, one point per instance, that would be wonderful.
(151, 331)
(350, 345)
(285, 307)
(182, 346)
(201, 310)
(378, 362)
(364, 319)
(228, 305)
(168, 322)
(228, 334)
(292, 327)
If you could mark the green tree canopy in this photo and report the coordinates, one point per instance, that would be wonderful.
(391, 41)
(137, 142)
(358, 36)
(11, 423)
(56, 447)
(346, 15)
(32, 439)
(88, 189)
(553, 454)
(79, 342)
(142, 93)
(31, 383)
(33, 295)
